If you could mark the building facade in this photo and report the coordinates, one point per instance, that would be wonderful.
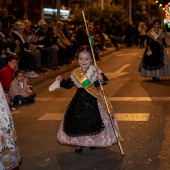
(34, 9)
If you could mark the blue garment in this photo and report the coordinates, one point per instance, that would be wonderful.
(3, 62)
(24, 100)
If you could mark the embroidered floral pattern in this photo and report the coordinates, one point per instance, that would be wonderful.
(9, 149)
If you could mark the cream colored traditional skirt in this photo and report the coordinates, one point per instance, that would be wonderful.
(104, 139)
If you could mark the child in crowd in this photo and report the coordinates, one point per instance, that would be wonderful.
(86, 121)
(19, 89)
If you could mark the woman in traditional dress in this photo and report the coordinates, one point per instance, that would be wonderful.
(9, 150)
(155, 62)
(86, 121)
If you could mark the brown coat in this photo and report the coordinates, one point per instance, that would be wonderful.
(62, 37)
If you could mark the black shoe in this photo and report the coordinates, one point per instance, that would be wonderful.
(23, 102)
(93, 148)
(32, 100)
(79, 149)
(14, 102)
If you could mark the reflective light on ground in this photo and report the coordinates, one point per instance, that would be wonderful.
(132, 116)
(120, 116)
(132, 99)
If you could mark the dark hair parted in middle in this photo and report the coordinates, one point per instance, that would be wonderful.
(85, 48)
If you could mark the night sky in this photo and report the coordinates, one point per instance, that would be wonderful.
(164, 1)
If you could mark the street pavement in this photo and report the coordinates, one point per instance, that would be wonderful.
(142, 109)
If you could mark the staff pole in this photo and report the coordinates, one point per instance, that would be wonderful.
(109, 113)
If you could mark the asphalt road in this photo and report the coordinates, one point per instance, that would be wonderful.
(142, 108)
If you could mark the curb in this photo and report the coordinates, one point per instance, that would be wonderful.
(33, 81)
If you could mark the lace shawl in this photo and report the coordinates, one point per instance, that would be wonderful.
(91, 73)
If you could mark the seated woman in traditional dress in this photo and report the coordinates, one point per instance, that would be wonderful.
(27, 59)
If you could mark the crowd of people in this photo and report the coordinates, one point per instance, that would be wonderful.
(27, 52)
(34, 49)
(135, 34)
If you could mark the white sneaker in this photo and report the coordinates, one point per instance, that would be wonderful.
(31, 74)
(55, 85)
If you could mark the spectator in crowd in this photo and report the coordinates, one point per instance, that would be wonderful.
(99, 37)
(5, 33)
(27, 59)
(81, 32)
(62, 53)
(28, 36)
(6, 19)
(107, 41)
(136, 33)
(3, 58)
(19, 89)
(81, 36)
(142, 30)
(93, 43)
(115, 38)
(6, 40)
(7, 73)
(64, 41)
(46, 46)
(129, 35)
(69, 33)
(66, 31)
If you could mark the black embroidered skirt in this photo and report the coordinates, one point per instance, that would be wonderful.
(82, 117)
(155, 61)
